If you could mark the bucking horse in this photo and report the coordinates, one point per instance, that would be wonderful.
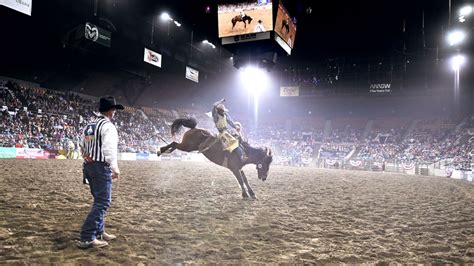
(194, 138)
(285, 25)
(241, 19)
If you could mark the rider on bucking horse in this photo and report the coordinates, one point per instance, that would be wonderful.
(221, 120)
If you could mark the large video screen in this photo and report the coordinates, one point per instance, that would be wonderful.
(244, 17)
(284, 26)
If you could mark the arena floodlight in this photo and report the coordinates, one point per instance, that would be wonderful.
(457, 61)
(209, 43)
(165, 16)
(254, 79)
(465, 11)
(177, 23)
(456, 37)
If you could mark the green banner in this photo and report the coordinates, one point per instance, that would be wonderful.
(7, 153)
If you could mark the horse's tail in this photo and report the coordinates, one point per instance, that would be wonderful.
(178, 123)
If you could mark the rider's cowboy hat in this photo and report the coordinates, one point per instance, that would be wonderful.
(107, 103)
(222, 107)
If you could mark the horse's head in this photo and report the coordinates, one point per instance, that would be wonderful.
(249, 18)
(263, 164)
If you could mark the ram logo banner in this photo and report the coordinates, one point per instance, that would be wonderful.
(23, 6)
(291, 91)
(152, 57)
(192, 74)
(97, 34)
(92, 33)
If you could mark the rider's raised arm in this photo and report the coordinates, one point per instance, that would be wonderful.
(214, 109)
(230, 121)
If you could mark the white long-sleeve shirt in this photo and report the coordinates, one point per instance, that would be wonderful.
(101, 141)
(259, 28)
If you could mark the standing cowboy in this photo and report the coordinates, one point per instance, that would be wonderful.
(259, 27)
(100, 168)
(221, 120)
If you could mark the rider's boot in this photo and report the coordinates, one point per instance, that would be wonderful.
(240, 152)
(225, 163)
(206, 144)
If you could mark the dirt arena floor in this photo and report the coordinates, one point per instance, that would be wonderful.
(174, 212)
(225, 22)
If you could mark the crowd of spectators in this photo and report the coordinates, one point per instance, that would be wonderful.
(39, 118)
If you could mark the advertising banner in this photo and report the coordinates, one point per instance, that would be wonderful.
(25, 153)
(332, 154)
(152, 57)
(176, 157)
(380, 88)
(154, 157)
(97, 34)
(142, 156)
(7, 153)
(192, 74)
(290, 91)
(23, 6)
(51, 154)
(165, 157)
(128, 156)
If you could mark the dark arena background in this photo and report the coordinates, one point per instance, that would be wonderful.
(366, 107)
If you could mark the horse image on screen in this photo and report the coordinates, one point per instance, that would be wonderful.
(285, 26)
(244, 17)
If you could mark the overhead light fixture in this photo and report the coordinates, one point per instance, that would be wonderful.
(165, 16)
(456, 37)
(465, 11)
(209, 43)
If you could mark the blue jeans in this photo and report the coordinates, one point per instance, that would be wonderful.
(99, 176)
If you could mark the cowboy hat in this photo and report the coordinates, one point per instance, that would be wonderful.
(222, 107)
(107, 103)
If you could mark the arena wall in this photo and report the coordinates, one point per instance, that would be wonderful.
(406, 168)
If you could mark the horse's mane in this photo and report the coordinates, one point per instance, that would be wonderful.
(262, 151)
